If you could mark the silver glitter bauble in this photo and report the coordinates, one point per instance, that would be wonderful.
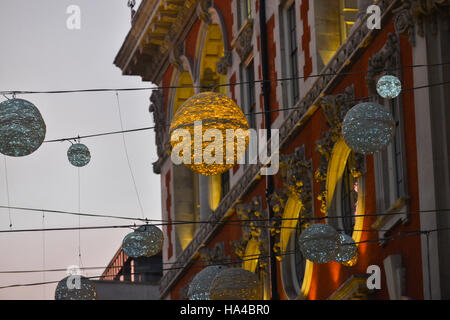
(200, 286)
(146, 241)
(347, 248)
(368, 128)
(22, 129)
(319, 243)
(236, 284)
(75, 287)
(389, 87)
(78, 155)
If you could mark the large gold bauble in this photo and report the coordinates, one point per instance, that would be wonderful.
(214, 111)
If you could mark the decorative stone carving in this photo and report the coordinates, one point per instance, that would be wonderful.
(224, 63)
(420, 12)
(214, 256)
(203, 10)
(335, 108)
(243, 42)
(252, 229)
(175, 56)
(296, 173)
(157, 108)
(388, 58)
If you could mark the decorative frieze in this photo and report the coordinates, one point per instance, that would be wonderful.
(214, 256)
(243, 42)
(412, 13)
(157, 108)
(253, 222)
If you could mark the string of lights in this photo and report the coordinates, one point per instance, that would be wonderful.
(252, 257)
(74, 138)
(93, 90)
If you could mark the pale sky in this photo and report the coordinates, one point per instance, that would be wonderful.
(38, 52)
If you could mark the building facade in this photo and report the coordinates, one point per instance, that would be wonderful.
(330, 60)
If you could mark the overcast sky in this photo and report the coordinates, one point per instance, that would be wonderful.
(38, 52)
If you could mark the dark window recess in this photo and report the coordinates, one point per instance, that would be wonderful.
(225, 182)
(348, 201)
(293, 52)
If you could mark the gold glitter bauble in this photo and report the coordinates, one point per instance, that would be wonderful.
(213, 111)
(236, 284)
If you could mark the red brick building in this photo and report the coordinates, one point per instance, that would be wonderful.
(198, 43)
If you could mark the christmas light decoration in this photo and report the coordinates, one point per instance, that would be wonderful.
(319, 243)
(75, 287)
(198, 114)
(22, 129)
(236, 284)
(347, 248)
(201, 284)
(368, 128)
(146, 241)
(389, 87)
(78, 155)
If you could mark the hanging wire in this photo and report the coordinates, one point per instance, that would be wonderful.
(236, 261)
(254, 113)
(128, 158)
(7, 192)
(13, 92)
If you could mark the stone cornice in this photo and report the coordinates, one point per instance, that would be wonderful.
(156, 28)
(350, 50)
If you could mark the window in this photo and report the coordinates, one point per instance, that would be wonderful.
(244, 11)
(248, 97)
(348, 200)
(349, 11)
(290, 52)
(225, 184)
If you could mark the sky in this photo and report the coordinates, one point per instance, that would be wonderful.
(38, 52)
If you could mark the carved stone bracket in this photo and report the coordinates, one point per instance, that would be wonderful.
(175, 56)
(296, 173)
(224, 63)
(203, 11)
(214, 256)
(254, 222)
(412, 13)
(157, 108)
(243, 41)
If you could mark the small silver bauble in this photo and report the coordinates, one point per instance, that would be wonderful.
(389, 87)
(146, 241)
(347, 248)
(368, 128)
(79, 155)
(236, 284)
(75, 287)
(319, 243)
(22, 129)
(200, 286)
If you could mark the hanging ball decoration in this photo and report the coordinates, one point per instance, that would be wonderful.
(22, 129)
(200, 286)
(389, 87)
(347, 248)
(209, 110)
(146, 241)
(368, 128)
(236, 284)
(78, 155)
(319, 243)
(75, 287)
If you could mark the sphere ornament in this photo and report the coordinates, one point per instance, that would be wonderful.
(145, 241)
(78, 155)
(75, 287)
(368, 128)
(236, 284)
(200, 286)
(22, 128)
(207, 117)
(347, 249)
(389, 87)
(319, 243)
